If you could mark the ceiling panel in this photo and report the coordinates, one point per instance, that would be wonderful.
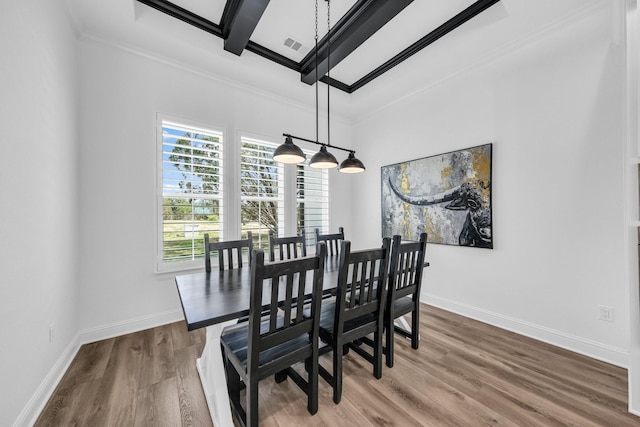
(402, 31)
(295, 19)
(208, 9)
(285, 31)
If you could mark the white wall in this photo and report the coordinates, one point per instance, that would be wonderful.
(553, 110)
(121, 92)
(39, 226)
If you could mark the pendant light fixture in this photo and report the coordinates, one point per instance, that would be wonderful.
(289, 153)
(323, 159)
(351, 164)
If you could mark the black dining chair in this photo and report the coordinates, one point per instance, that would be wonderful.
(333, 241)
(405, 279)
(356, 312)
(288, 247)
(271, 344)
(227, 248)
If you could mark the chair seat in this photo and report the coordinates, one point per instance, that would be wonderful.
(235, 339)
(403, 305)
(327, 317)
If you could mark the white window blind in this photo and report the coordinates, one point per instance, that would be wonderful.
(263, 187)
(261, 191)
(192, 190)
(312, 200)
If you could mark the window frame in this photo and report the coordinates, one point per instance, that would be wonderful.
(231, 199)
(161, 266)
(281, 199)
(288, 223)
(322, 176)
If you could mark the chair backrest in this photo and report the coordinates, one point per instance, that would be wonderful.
(227, 248)
(287, 246)
(405, 270)
(362, 284)
(280, 286)
(333, 241)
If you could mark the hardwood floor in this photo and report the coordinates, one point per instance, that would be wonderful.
(465, 373)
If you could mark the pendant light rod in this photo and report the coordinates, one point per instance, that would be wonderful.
(290, 153)
(322, 159)
(316, 82)
(317, 142)
(328, 70)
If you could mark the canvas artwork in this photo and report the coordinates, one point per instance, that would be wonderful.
(448, 196)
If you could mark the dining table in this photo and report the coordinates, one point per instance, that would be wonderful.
(218, 299)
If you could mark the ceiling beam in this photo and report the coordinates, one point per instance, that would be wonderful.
(239, 19)
(354, 28)
(197, 21)
(336, 84)
(184, 15)
(272, 56)
(453, 23)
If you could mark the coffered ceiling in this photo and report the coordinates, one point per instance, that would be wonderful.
(381, 50)
(366, 37)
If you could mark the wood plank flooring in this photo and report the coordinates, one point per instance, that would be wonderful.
(466, 373)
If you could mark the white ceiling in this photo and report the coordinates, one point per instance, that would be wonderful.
(134, 26)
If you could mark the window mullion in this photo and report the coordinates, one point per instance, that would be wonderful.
(290, 218)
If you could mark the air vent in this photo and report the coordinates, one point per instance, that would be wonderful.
(295, 45)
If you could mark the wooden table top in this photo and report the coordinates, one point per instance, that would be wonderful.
(210, 298)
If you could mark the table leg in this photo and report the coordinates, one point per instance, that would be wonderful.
(211, 369)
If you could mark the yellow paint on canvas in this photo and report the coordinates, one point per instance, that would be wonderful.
(404, 183)
(445, 176)
(405, 186)
(428, 225)
(481, 165)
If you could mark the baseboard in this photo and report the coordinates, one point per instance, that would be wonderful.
(609, 354)
(30, 413)
(36, 404)
(124, 327)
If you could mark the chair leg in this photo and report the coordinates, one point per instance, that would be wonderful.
(337, 374)
(312, 371)
(280, 376)
(233, 386)
(252, 403)
(389, 342)
(377, 354)
(415, 328)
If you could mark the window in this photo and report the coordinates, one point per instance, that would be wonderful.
(192, 192)
(264, 189)
(312, 200)
(194, 185)
(261, 191)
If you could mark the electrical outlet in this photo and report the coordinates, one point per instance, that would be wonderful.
(51, 332)
(605, 313)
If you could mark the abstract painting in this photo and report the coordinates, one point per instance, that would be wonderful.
(447, 196)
